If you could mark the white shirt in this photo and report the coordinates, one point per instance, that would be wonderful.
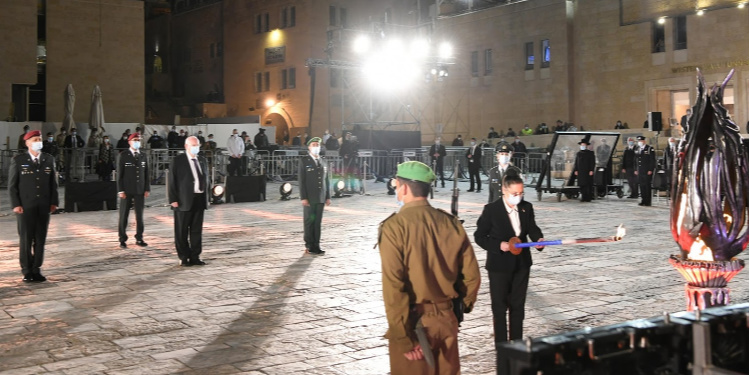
(235, 145)
(514, 219)
(35, 158)
(196, 180)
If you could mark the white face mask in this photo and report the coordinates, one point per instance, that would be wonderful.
(503, 159)
(641, 144)
(473, 143)
(514, 200)
(194, 150)
(630, 143)
(106, 140)
(437, 142)
(315, 150)
(37, 146)
(50, 139)
(583, 147)
(136, 145)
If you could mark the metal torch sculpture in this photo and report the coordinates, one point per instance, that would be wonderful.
(709, 206)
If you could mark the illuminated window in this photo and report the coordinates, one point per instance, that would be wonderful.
(545, 53)
(530, 56)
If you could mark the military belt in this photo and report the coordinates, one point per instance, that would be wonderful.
(422, 308)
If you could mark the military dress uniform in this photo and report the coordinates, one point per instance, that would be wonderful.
(313, 186)
(628, 166)
(32, 186)
(645, 162)
(496, 180)
(133, 180)
(427, 261)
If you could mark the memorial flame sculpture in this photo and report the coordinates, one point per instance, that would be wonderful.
(709, 205)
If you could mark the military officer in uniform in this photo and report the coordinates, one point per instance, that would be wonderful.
(584, 167)
(427, 262)
(314, 191)
(32, 185)
(133, 186)
(645, 162)
(503, 153)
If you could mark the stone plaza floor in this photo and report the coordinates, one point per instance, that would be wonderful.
(261, 306)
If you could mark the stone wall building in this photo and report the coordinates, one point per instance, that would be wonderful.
(588, 62)
(50, 44)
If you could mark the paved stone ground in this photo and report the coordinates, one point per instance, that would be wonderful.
(261, 306)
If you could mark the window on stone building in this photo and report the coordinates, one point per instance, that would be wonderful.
(530, 56)
(342, 16)
(267, 81)
(657, 37)
(545, 53)
(266, 23)
(288, 17)
(258, 82)
(212, 53)
(258, 23)
(487, 62)
(680, 32)
(332, 15)
(262, 23)
(219, 49)
(292, 79)
(283, 79)
(474, 63)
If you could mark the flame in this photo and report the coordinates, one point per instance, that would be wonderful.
(699, 251)
(620, 233)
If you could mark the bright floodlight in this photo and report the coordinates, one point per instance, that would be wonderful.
(446, 50)
(361, 44)
(270, 103)
(662, 20)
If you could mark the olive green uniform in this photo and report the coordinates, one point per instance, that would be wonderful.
(427, 261)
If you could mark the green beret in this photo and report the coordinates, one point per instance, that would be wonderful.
(416, 171)
(314, 139)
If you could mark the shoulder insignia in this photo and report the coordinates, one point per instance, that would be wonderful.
(445, 212)
(380, 229)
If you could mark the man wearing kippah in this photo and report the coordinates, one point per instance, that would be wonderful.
(32, 184)
(314, 191)
(428, 263)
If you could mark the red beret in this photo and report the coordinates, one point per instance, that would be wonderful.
(33, 133)
(134, 135)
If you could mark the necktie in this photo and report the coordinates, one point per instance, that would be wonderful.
(201, 180)
(36, 162)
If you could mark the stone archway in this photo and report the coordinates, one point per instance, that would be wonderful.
(277, 120)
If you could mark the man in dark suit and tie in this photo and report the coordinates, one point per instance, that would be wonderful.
(32, 184)
(188, 196)
(500, 221)
(133, 186)
(474, 156)
(437, 154)
(315, 193)
(73, 155)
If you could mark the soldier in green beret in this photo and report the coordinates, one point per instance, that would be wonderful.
(314, 190)
(412, 242)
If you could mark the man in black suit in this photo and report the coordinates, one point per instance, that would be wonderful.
(437, 154)
(474, 157)
(500, 221)
(584, 170)
(133, 186)
(645, 162)
(32, 184)
(628, 165)
(261, 140)
(73, 155)
(188, 196)
(315, 193)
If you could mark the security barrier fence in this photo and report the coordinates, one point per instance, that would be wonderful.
(283, 164)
